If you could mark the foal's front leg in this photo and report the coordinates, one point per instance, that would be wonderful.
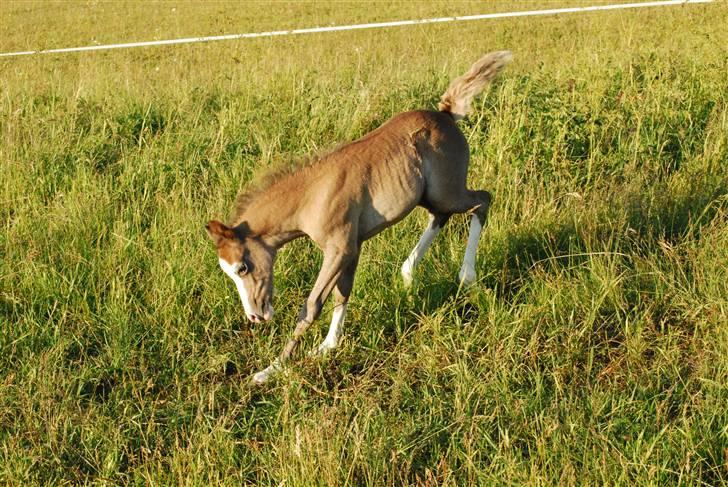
(341, 299)
(336, 261)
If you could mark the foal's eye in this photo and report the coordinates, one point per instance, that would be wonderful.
(243, 269)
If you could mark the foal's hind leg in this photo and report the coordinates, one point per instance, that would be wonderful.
(437, 221)
(465, 201)
(467, 274)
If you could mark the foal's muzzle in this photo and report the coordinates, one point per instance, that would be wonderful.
(260, 318)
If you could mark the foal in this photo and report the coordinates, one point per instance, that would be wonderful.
(417, 158)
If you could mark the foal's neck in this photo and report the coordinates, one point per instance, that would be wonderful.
(273, 215)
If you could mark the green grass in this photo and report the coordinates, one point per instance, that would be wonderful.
(593, 349)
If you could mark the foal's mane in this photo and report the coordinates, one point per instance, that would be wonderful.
(270, 176)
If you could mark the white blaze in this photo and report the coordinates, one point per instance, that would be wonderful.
(232, 271)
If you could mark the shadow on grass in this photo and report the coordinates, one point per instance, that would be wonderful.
(648, 225)
(642, 225)
(645, 223)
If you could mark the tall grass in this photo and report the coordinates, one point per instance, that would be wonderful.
(593, 349)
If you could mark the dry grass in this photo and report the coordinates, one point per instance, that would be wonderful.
(592, 351)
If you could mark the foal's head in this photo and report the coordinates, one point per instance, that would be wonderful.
(249, 263)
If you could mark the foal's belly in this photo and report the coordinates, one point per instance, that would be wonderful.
(393, 191)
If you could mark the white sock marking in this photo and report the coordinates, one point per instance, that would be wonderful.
(418, 252)
(268, 372)
(335, 330)
(467, 274)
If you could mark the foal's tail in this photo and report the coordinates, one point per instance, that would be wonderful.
(457, 98)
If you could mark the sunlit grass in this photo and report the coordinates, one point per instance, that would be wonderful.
(592, 350)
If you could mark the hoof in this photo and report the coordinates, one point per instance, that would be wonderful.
(259, 378)
(264, 375)
(467, 276)
(322, 349)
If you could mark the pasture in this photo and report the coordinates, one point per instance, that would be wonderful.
(592, 350)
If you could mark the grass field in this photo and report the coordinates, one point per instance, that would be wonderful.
(592, 350)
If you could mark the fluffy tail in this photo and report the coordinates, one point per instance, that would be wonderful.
(456, 100)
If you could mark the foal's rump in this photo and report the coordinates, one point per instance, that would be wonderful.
(416, 158)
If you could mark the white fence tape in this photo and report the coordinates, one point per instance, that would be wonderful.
(378, 25)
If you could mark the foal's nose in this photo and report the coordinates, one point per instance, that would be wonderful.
(255, 318)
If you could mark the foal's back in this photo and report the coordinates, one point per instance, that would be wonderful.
(382, 176)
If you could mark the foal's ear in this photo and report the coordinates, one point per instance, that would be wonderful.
(219, 231)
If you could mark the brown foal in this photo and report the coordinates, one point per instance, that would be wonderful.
(417, 158)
